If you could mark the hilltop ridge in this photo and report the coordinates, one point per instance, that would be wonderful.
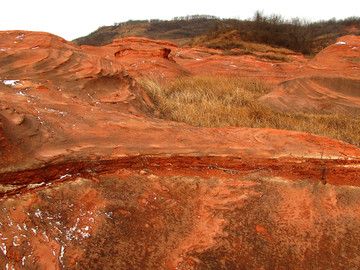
(179, 30)
(295, 34)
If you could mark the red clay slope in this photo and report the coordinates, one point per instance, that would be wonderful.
(329, 83)
(60, 103)
(90, 180)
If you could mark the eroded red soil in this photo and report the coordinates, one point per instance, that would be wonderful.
(140, 219)
(90, 179)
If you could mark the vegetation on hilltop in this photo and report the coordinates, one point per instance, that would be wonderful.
(205, 30)
(178, 30)
(295, 34)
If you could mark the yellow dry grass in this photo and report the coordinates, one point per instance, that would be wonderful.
(232, 101)
(231, 40)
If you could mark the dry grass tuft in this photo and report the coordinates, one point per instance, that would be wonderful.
(231, 44)
(232, 101)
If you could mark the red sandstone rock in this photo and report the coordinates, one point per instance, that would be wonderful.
(145, 57)
(141, 56)
(204, 61)
(77, 135)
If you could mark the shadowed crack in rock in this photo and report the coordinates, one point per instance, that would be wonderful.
(339, 171)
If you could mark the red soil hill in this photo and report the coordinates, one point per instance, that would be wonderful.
(89, 179)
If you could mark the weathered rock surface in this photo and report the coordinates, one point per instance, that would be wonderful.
(330, 82)
(144, 57)
(52, 92)
(90, 180)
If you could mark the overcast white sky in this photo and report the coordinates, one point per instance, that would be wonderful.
(71, 19)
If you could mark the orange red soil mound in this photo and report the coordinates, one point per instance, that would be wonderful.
(328, 83)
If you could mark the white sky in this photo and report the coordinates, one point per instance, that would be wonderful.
(71, 19)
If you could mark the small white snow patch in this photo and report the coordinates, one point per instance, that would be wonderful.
(21, 36)
(340, 43)
(15, 240)
(109, 215)
(61, 255)
(83, 234)
(21, 93)
(38, 213)
(55, 111)
(63, 176)
(31, 186)
(10, 82)
(23, 261)
(47, 238)
(3, 248)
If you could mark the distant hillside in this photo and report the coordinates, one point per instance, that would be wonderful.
(205, 30)
(296, 35)
(179, 30)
